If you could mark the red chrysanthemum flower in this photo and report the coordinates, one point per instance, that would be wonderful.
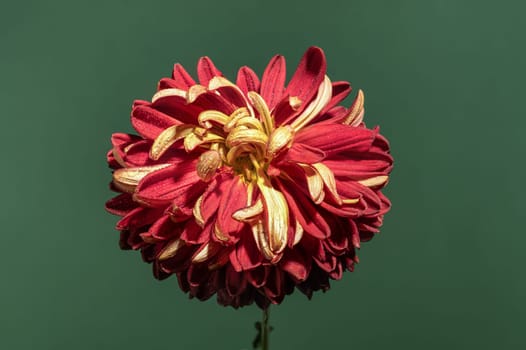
(248, 190)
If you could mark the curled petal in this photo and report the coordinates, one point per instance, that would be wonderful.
(169, 93)
(279, 139)
(241, 135)
(328, 179)
(315, 107)
(314, 183)
(212, 116)
(264, 114)
(127, 179)
(304, 211)
(356, 112)
(170, 249)
(248, 214)
(375, 181)
(206, 252)
(276, 215)
(167, 138)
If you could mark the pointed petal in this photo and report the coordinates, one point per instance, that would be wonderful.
(247, 80)
(273, 81)
(181, 77)
(206, 70)
(308, 76)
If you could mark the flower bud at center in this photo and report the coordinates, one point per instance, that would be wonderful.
(207, 165)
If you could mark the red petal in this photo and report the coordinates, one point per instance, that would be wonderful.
(308, 76)
(166, 83)
(232, 199)
(338, 242)
(340, 90)
(206, 70)
(212, 195)
(233, 95)
(296, 264)
(163, 186)
(165, 229)
(195, 234)
(337, 272)
(247, 80)
(210, 100)
(258, 276)
(139, 217)
(235, 282)
(358, 167)
(273, 81)
(178, 109)
(182, 79)
(121, 205)
(274, 288)
(121, 140)
(150, 122)
(247, 252)
(304, 211)
(303, 153)
(336, 138)
(335, 115)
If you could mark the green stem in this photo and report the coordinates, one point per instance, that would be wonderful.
(265, 329)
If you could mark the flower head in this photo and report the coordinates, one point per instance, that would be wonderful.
(249, 189)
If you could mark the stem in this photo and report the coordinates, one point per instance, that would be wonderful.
(261, 340)
(265, 329)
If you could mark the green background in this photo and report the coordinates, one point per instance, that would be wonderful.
(444, 79)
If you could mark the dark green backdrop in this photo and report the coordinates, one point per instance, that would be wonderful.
(444, 79)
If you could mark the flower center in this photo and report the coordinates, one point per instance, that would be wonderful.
(246, 140)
